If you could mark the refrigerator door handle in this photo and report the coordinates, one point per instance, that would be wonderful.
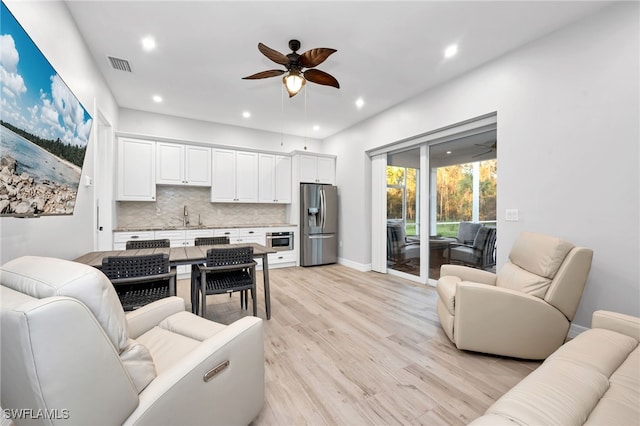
(315, 237)
(324, 208)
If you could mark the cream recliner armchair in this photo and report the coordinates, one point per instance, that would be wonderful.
(525, 310)
(69, 350)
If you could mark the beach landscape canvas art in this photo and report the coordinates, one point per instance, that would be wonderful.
(44, 130)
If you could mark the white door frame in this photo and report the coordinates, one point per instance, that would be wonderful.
(378, 186)
(103, 199)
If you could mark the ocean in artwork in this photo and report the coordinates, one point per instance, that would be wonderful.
(37, 162)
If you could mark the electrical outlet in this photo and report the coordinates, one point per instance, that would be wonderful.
(511, 215)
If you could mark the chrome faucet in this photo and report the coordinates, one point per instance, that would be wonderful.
(185, 219)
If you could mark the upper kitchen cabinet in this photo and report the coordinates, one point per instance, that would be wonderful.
(275, 178)
(136, 170)
(234, 177)
(317, 169)
(183, 165)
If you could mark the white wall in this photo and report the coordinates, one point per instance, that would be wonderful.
(568, 156)
(171, 127)
(50, 26)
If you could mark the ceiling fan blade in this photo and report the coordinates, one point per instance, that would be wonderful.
(481, 154)
(264, 74)
(321, 77)
(274, 55)
(314, 57)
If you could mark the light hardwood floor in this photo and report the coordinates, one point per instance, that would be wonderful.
(345, 347)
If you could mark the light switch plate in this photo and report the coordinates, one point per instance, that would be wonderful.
(511, 215)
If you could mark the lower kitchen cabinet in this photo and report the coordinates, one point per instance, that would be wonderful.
(282, 259)
(242, 235)
(120, 238)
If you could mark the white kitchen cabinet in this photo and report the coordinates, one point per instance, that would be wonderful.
(317, 169)
(234, 177)
(192, 234)
(242, 235)
(136, 170)
(120, 238)
(275, 178)
(178, 164)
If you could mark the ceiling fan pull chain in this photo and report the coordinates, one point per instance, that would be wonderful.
(282, 118)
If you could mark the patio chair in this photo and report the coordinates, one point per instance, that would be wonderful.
(227, 270)
(143, 244)
(211, 241)
(204, 241)
(399, 249)
(479, 254)
(141, 279)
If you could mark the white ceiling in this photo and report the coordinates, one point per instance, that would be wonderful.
(387, 52)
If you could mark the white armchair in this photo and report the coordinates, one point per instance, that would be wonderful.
(524, 310)
(68, 348)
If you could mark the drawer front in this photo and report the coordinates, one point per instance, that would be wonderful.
(123, 237)
(282, 257)
(199, 233)
(251, 232)
(231, 233)
(176, 237)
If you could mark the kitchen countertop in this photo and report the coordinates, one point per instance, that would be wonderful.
(195, 227)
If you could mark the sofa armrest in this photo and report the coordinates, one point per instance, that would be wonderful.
(507, 322)
(621, 323)
(466, 273)
(148, 316)
(180, 395)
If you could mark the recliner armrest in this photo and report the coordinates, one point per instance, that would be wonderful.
(235, 395)
(466, 273)
(148, 316)
(620, 323)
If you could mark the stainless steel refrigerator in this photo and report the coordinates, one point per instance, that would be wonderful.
(318, 224)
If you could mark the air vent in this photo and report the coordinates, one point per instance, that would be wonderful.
(119, 64)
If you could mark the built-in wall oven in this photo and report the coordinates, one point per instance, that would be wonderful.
(280, 241)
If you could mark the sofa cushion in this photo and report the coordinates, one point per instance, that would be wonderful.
(42, 277)
(515, 278)
(592, 379)
(619, 405)
(539, 254)
(167, 348)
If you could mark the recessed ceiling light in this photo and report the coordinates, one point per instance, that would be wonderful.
(157, 98)
(448, 152)
(451, 51)
(316, 127)
(148, 43)
(246, 114)
(359, 103)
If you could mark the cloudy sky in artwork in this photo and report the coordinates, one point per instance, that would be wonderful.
(33, 97)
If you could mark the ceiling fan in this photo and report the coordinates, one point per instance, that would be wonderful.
(295, 76)
(491, 148)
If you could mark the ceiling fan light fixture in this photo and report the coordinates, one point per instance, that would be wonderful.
(293, 82)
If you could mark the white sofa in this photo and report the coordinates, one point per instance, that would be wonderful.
(69, 350)
(593, 379)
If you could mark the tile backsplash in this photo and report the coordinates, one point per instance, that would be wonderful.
(168, 209)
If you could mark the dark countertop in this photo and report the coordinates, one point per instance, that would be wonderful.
(195, 227)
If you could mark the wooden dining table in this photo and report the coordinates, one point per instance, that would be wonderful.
(188, 255)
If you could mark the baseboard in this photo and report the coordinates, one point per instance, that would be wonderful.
(362, 267)
(576, 329)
